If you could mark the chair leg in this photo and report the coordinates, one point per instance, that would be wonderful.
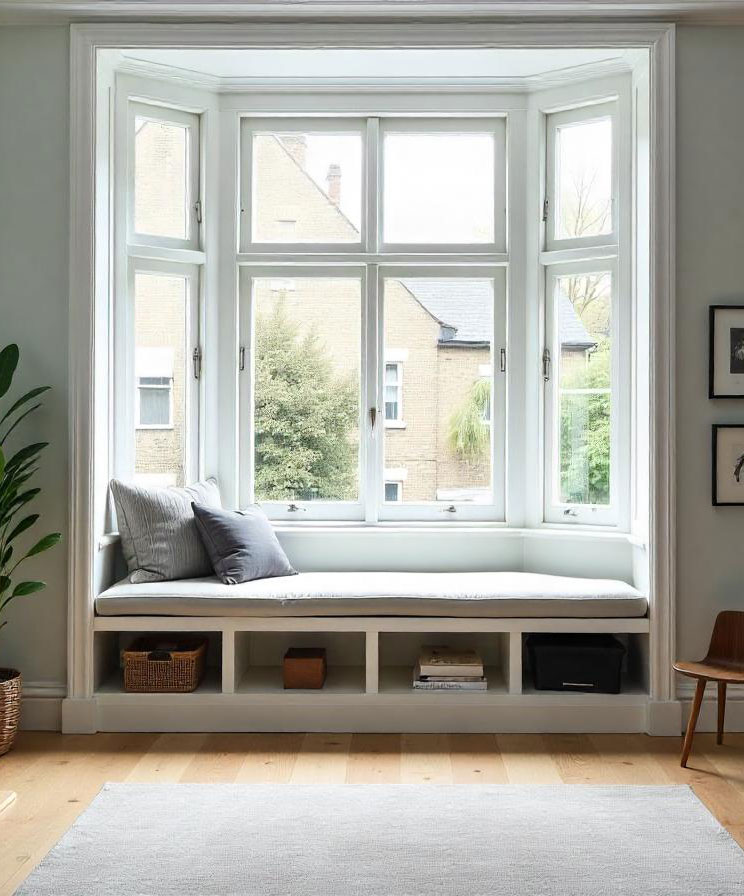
(695, 712)
(721, 710)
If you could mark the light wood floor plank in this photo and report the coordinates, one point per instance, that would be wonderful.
(168, 758)
(425, 759)
(269, 758)
(526, 761)
(374, 759)
(220, 758)
(476, 759)
(322, 759)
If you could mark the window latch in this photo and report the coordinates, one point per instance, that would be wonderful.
(295, 508)
(450, 509)
(372, 417)
(503, 360)
(198, 211)
(241, 358)
(569, 511)
(196, 357)
(546, 364)
(546, 206)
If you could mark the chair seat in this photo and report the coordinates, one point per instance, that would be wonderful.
(717, 671)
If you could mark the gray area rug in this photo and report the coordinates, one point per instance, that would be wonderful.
(224, 839)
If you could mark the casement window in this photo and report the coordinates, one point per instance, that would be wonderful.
(157, 296)
(586, 361)
(326, 342)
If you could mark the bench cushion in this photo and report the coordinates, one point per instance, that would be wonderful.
(470, 594)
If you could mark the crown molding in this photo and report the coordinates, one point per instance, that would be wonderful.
(223, 85)
(687, 11)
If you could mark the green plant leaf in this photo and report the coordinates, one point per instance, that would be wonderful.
(2, 464)
(4, 584)
(25, 454)
(24, 588)
(23, 399)
(8, 363)
(15, 505)
(24, 524)
(7, 556)
(13, 425)
(48, 541)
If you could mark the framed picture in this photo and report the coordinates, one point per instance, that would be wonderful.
(728, 464)
(726, 378)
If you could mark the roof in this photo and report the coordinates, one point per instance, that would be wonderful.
(463, 311)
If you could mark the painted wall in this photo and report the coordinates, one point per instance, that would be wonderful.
(710, 242)
(34, 86)
(34, 104)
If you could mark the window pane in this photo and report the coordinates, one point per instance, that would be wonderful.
(161, 355)
(307, 399)
(307, 188)
(439, 188)
(443, 328)
(584, 318)
(160, 178)
(584, 179)
(392, 492)
(392, 392)
(154, 407)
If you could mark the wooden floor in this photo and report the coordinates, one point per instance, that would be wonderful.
(56, 776)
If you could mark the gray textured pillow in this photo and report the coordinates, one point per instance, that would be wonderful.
(241, 545)
(158, 533)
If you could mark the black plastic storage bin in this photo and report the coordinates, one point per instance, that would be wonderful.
(573, 662)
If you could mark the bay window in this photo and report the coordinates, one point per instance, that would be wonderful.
(373, 346)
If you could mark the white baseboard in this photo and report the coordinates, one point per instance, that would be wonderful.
(79, 716)
(664, 718)
(708, 720)
(41, 706)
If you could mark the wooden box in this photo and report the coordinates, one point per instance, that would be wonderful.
(304, 667)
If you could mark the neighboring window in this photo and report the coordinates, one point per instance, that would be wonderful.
(155, 402)
(393, 393)
(393, 492)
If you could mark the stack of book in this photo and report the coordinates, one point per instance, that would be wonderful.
(447, 669)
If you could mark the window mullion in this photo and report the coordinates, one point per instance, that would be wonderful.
(372, 435)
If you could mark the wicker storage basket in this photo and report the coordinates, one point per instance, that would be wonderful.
(155, 664)
(10, 707)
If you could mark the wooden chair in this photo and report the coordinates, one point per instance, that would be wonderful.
(723, 663)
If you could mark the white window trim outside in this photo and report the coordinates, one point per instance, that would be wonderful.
(90, 278)
(137, 411)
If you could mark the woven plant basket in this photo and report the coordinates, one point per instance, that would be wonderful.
(10, 707)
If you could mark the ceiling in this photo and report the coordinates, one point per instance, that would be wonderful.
(373, 63)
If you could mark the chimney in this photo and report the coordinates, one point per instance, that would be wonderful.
(296, 146)
(333, 179)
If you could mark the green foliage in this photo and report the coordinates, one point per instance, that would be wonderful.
(585, 431)
(306, 416)
(468, 436)
(14, 474)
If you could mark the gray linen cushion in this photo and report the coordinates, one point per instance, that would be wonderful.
(158, 533)
(241, 545)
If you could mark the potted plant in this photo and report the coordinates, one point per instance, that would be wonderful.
(17, 469)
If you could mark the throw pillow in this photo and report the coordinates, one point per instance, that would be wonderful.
(158, 532)
(242, 545)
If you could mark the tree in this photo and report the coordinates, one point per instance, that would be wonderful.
(305, 416)
(469, 438)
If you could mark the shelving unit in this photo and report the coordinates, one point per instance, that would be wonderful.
(368, 688)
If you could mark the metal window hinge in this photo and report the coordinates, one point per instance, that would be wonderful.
(503, 360)
(196, 357)
(241, 358)
(198, 210)
(546, 206)
(546, 364)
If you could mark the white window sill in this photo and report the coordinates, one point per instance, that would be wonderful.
(155, 426)
(395, 424)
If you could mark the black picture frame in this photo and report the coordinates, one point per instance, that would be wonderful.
(714, 444)
(712, 311)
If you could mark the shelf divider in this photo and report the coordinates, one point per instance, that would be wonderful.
(372, 658)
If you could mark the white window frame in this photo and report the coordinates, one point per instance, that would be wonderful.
(397, 421)
(494, 126)
(455, 511)
(290, 510)
(251, 127)
(137, 404)
(584, 114)
(191, 122)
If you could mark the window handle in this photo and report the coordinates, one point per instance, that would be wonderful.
(372, 418)
(450, 509)
(569, 511)
(294, 508)
(546, 364)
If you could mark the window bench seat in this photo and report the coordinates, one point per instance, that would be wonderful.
(489, 595)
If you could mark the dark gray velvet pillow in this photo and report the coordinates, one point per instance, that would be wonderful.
(241, 545)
